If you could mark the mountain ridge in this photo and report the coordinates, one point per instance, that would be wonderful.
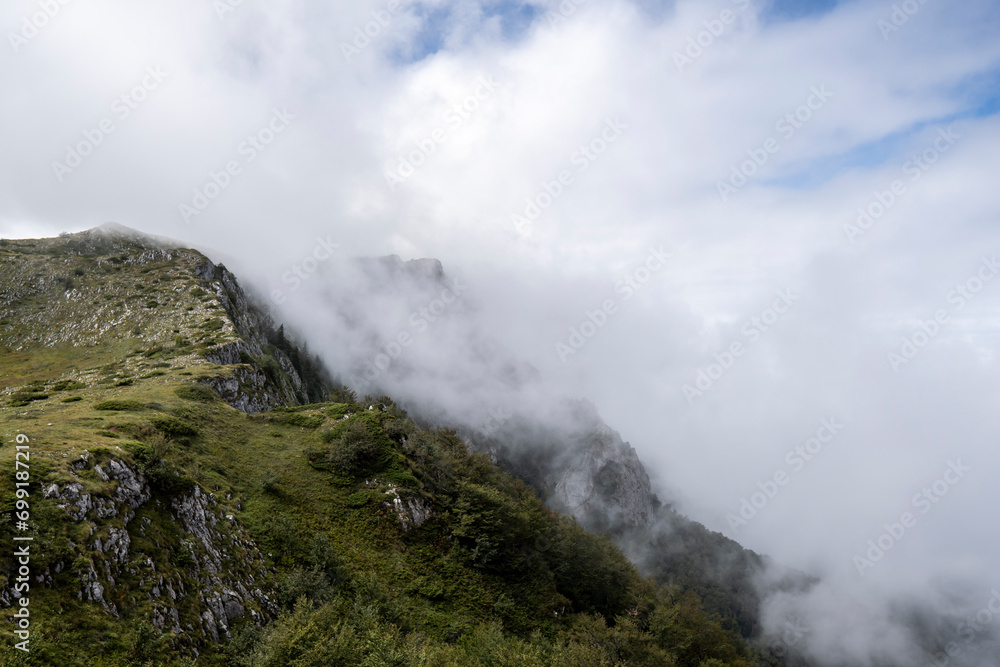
(193, 498)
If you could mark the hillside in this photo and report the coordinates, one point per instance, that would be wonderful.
(200, 494)
(452, 371)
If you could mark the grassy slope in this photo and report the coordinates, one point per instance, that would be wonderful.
(491, 566)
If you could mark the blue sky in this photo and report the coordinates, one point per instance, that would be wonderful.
(787, 10)
(978, 96)
(515, 19)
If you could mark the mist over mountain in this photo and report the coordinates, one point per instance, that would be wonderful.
(414, 333)
(243, 516)
(717, 277)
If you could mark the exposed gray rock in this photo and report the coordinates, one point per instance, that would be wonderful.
(606, 482)
(246, 390)
(162, 616)
(116, 545)
(209, 627)
(411, 509)
(132, 488)
(234, 591)
(77, 504)
(253, 390)
(191, 510)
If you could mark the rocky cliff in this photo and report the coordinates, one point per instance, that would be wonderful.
(108, 310)
(113, 286)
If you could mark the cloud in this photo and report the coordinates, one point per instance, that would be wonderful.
(560, 77)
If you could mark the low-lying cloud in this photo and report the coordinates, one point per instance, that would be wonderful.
(876, 216)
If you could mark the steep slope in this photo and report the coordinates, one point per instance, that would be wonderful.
(187, 507)
(413, 334)
(104, 292)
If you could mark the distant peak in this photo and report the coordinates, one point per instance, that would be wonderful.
(115, 228)
(422, 271)
(114, 231)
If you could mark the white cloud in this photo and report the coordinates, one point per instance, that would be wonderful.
(655, 185)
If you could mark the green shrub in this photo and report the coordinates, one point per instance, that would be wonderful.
(72, 399)
(183, 558)
(353, 449)
(270, 482)
(493, 527)
(398, 429)
(299, 419)
(161, 475)
(338, 410)
(119, 404)
(21, 398)
(174, 428)
(359, 499)
(269, 365)
(302, 583)
(68, 385)
(196, 392)
(343, 395)
(102, 454)
(589, 570)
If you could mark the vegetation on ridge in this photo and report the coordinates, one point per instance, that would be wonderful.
(171, 528)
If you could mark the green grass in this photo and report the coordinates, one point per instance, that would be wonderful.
(195, 392)
(120, 405)
(491, 575)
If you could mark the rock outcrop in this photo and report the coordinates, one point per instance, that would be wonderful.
(221, 575)
(605, 484)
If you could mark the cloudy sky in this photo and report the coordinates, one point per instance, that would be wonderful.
(735, 225)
